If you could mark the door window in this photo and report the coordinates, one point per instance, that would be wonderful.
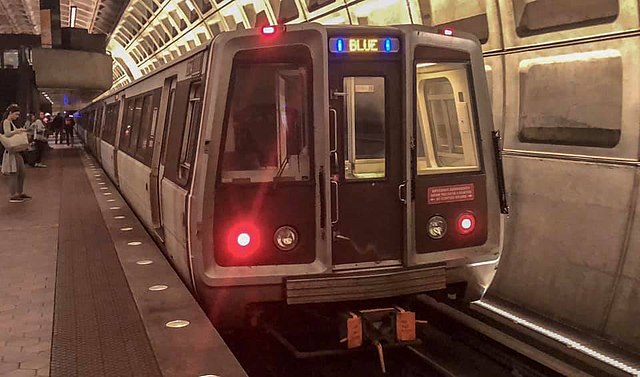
(445, 134)
(190, 133)
(365, 134)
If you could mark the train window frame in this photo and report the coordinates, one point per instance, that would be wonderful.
(190, 132)
(282, 171)
(426, 134)
(112, 114)
(168, 117)
(127, 118)
(136, 122)
(146, 124)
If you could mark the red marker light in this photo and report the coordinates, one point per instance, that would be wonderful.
(466, 223)
(243, 240)
(268, 30)
(447, 31)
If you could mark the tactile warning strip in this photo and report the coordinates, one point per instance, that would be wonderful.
(97, 330)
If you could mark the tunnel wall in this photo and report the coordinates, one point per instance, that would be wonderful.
(564, 78)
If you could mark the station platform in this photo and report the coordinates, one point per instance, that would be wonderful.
(84, 290)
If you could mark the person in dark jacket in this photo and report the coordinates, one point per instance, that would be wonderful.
(58, 127)
(68, 128)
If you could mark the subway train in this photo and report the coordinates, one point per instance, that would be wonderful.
(307, 164)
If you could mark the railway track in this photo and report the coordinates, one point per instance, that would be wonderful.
(450, 343)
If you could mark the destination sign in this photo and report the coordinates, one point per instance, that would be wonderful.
(351, 45)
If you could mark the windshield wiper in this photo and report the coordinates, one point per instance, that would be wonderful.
(279, 172)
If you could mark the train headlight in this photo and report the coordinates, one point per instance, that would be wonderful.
(437, 227)
(285, 238)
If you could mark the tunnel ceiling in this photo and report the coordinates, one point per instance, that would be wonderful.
(97, 16)
(153, 32)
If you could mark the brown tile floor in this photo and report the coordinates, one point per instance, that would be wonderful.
(28, 249)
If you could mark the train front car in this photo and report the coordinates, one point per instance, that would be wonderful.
(343, 164)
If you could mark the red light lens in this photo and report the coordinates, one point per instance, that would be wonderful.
(447, 31)
(243, 239)
(268, 29)
(466, 223)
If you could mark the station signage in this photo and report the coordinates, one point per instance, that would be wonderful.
(363, 45)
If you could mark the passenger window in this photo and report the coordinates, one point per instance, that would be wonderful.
(267, 134)
(109, 134)
(99, 122)
(135, 126)
(445, 133)
(365, 147)
(190, 133)
(145, 140)
(582, 102)
(169, 116)
(125, 136)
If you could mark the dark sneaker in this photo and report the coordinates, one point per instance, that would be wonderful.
(24, 196)
(16, 199)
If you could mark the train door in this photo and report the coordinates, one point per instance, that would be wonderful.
(157, 161)
(450, 185)
(367, 164)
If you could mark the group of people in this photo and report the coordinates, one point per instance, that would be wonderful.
(38, 129)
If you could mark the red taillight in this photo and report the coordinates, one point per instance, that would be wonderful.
(466, 223)
(243, 239)
(447, 31)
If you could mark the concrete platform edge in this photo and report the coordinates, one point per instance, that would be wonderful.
(194, 350)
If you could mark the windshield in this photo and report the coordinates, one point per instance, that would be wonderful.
(266, 128)
(445, 133)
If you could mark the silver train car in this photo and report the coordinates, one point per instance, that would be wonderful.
(312, 164)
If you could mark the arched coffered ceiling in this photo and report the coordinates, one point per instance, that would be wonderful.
(97, 16)
(153, 32)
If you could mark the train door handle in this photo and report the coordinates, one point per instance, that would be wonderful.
(402, 192)
(335, 215)
(334, 140)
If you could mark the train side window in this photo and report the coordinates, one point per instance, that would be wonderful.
(445, 133)
(267, 135)
(109, 134)
(99, 121)
(365, 147)
(190, 133)
(125, 136)
(169, 116)
(145, 141)
(135, 126)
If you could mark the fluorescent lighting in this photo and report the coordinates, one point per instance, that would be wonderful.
(72, 16)
(570, 343)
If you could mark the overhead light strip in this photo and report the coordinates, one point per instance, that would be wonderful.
(562, 339)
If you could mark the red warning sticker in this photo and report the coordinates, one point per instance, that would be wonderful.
(450, 194)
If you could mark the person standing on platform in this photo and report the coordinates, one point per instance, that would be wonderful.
(58, 128)
(68, 128)
(12, 163)
(39, 130)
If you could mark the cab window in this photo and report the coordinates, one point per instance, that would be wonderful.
(445, 131)
(267, 130)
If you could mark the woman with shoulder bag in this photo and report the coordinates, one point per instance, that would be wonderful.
(12, 162)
